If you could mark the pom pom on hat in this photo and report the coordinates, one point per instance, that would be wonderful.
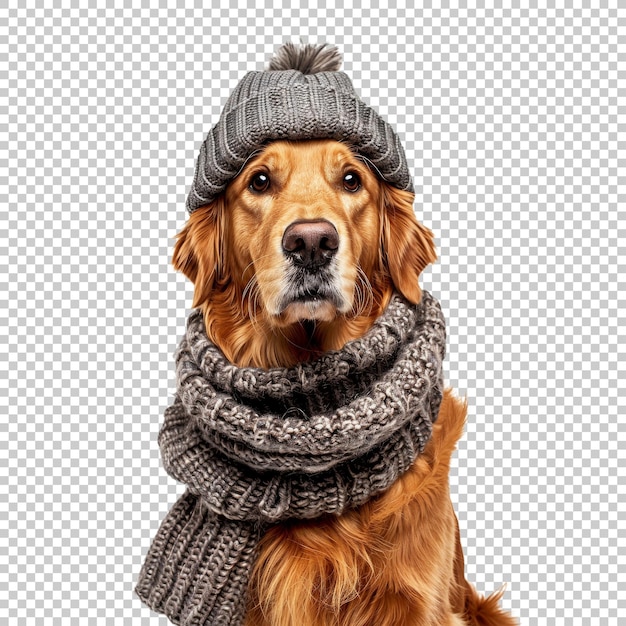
(307, 58)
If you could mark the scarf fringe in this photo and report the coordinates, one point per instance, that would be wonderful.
(196, 571)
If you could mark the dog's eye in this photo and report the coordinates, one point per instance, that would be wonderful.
(351, 182)
(260, 182)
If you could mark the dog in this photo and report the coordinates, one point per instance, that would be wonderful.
(300, 254)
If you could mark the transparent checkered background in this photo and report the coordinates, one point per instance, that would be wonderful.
(510, 120)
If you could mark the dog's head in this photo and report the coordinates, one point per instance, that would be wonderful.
(307, 231)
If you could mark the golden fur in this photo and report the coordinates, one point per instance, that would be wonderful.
(398, 559)
(231, 251)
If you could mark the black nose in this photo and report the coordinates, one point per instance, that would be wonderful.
(310, 244)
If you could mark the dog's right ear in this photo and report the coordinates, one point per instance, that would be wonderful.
(198, 249)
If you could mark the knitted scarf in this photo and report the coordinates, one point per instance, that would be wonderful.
(255, 447)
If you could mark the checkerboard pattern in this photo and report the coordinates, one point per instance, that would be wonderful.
(509, 118)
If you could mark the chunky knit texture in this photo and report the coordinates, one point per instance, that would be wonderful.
(300, 99)
(255, 447)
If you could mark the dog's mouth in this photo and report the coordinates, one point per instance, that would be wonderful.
(310, 296)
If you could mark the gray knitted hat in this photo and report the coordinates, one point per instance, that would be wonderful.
(301, 95)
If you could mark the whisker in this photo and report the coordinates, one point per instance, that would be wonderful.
(253, 295)
(263, 256)
(248, 288)
(290, 341)
(364, 298)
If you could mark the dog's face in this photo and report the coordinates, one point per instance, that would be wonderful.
(305, 232)
(305, 229)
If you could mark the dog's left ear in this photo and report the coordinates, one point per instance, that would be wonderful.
(407, 246)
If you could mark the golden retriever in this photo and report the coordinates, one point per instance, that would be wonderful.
(299, 255)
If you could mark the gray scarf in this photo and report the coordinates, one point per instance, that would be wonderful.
(255, 447)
